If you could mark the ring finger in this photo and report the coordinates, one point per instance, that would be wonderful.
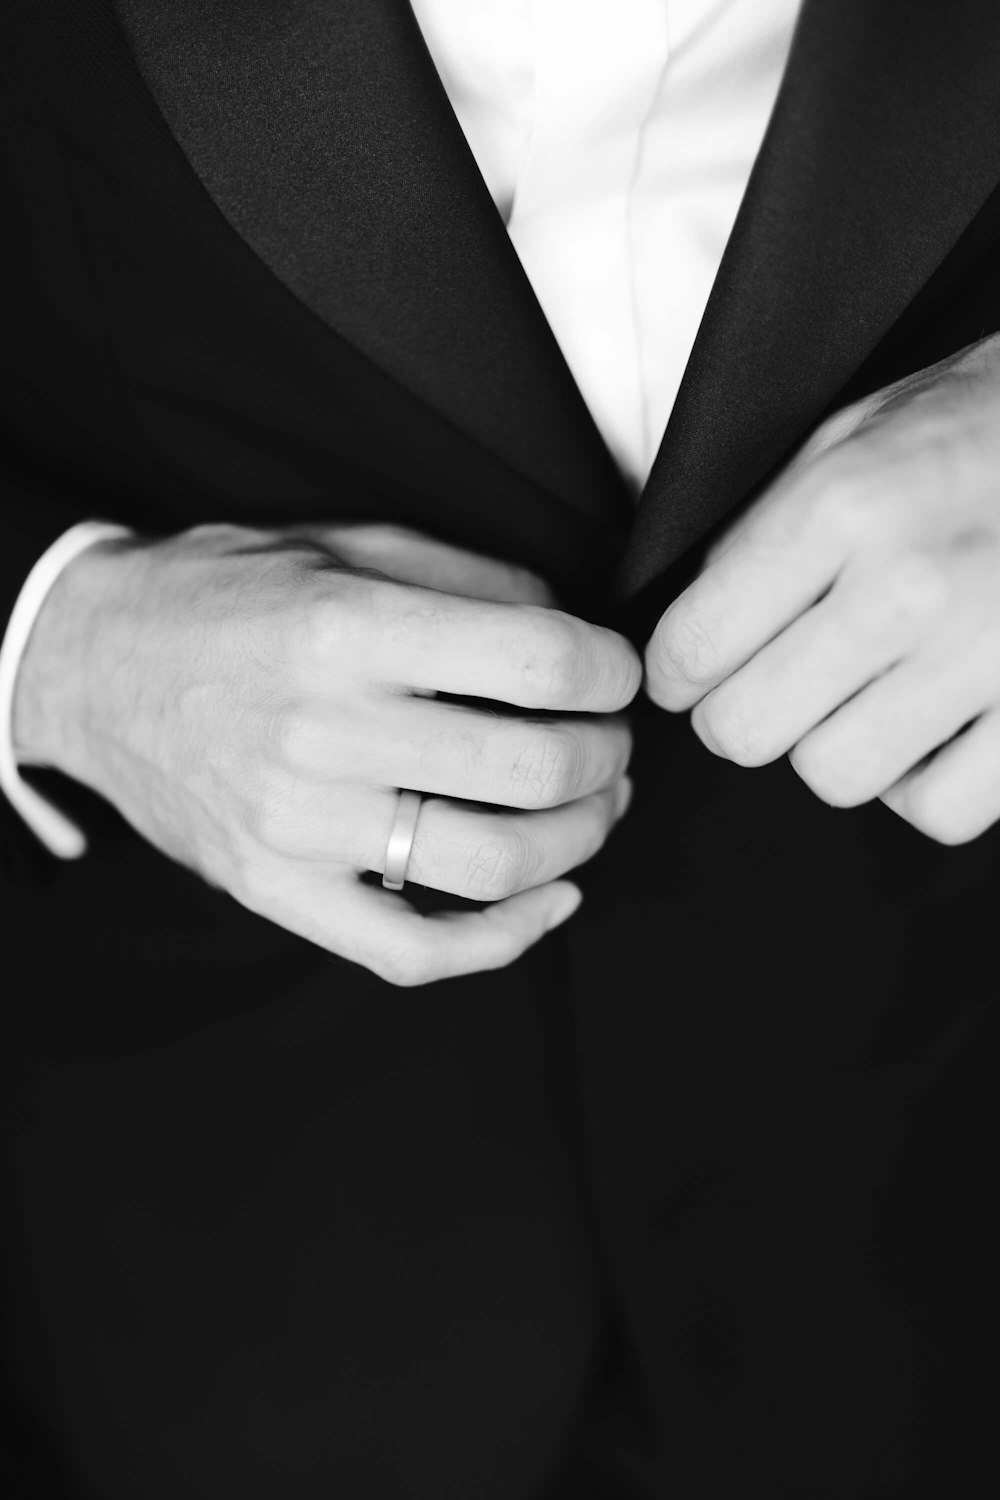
(486, 856)
(459, 847)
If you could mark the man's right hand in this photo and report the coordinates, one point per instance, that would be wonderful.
(252, 702)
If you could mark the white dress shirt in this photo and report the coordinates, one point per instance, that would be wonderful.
(617, 138)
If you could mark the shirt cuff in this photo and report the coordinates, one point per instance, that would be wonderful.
(59, 835)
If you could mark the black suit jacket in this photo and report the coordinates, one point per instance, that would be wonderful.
(250, 272)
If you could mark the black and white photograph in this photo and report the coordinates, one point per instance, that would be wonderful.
(500, 749)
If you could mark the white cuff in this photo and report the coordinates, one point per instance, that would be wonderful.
(53, 828)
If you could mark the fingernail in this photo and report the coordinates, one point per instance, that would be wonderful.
(563, 908)
(623, 796)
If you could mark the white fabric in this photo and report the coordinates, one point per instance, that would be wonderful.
(53, 828)
(617, 138)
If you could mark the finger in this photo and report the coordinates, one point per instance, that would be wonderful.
(779, 564)
(487, 856)
(458, 847)
(404, 948)
(458, 751)
(956, 796)
(383, 932)
(412, 557)
(862, 627)
(419, 640)
(876, 738)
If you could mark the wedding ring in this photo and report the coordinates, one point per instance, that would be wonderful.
(397, 853)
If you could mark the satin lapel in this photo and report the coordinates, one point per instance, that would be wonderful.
(322, 132)
(883, 144)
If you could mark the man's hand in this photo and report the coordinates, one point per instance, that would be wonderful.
(251, 702)
(852, 616)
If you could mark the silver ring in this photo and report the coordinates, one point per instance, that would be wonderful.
(397, 852)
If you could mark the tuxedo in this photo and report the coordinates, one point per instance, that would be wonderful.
(698, 1193)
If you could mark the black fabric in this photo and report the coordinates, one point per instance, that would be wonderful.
(696, 1196)
(790, 1043)
(277, 1229)
(322, 132)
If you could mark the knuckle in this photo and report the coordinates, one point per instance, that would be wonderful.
(552, 661)
(836, 778)
(841, 495)
(987, 352)
(736, 734)
(548, 770)
(404, 968)
(391, 967)
(933, 812)
(286, 736)
(269, 817)
(843, 506)
(336, 616)
(916, 588)
(499, 865)
(250, 882)
(835, 429)
(686, 647)
(216, 531)
(565, 662)
(861, 492)
(308, 631)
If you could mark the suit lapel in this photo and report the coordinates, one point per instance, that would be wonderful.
(321, 130)
(884, 143)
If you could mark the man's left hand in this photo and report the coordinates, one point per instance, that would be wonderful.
(851, 617)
